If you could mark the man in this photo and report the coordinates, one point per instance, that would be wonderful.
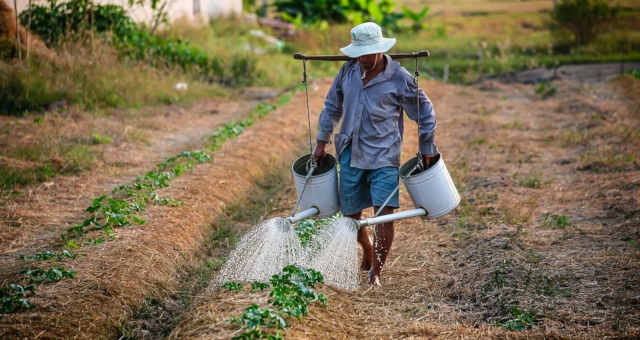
(369, 94)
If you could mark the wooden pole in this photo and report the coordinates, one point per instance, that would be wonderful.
(300, 56)
(15, 6)
(27, 31)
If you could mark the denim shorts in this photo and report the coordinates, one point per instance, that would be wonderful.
(360, 189)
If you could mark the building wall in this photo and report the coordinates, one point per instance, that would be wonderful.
(194, 10)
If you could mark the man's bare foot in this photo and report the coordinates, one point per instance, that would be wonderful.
(374, 278)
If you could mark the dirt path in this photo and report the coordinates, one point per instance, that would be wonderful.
(547, 234)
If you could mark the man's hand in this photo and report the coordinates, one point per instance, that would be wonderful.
(429, 160)
(319, 152)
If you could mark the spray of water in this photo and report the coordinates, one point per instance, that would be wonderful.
(335, 254)
(263, 252)
(274, 244)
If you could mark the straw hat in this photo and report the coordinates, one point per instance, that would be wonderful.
(367, 38)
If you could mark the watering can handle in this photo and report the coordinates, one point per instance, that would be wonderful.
(312, 167)
(386, 201)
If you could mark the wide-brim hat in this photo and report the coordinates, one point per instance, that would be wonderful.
(367, 38)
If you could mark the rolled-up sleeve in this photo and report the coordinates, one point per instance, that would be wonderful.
(332, 111)
(426, 118)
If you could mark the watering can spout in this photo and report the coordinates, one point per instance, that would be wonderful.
(303, 214)
(391, 217)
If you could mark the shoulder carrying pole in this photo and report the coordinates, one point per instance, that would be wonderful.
(300, 56)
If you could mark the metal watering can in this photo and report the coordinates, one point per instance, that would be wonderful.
(432, 190)
(316, 187)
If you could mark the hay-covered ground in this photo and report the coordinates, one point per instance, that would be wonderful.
(546, 236)
(547, 233)
(115, 277)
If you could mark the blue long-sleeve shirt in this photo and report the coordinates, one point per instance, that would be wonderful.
(372, 119)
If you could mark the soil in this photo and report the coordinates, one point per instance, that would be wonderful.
(582, 73)
(548, 225)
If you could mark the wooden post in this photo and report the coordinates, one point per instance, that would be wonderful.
(27, 32)
(480, 62)
(445, 76)
(15, 7)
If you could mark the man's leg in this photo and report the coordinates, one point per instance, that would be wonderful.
(365, 242)
(354, 196)
(384, 239)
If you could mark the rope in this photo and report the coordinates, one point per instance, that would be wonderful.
(417, 82)
(306, 92)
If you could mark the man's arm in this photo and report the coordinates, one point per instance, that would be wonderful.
(426, 118)
(330, 115)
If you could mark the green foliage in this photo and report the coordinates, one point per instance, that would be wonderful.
(585, 19)
(519, 320)
(10, 177)
(255, 285)
(13, 299)
(291, 292)
(634, 72)
(416, 17)
(308, 228)
(48, 254)
(255, 317)
(555, 221)
(39, 275)
(19, 92)
(233, 129)
(97, 138)
(107, 213)
(532, 181)
(354, 12)
(545, 89)
(56, 20)
(233, 286)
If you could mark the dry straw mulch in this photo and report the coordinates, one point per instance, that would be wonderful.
(521, 164)
(113, 278)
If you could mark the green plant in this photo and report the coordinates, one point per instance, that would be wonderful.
(21, 92)
(57, 20)
(39, 275)
(97, 138)
(48, 254)
(585, 19)
(545, 89)
(233, 286)
(555, 221)
(291, 292)
(14, 299)
(532, 181)
(307, 228)
(634, 72)
(354, 12)
(416, 17)
(519, 320)
(255, 285)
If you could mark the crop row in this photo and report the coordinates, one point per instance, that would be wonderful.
(291, 292)
(121, 208)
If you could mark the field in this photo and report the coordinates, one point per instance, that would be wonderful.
(114, 219)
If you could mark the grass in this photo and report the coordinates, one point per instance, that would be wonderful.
(555, 221)
(533, 181)
(92, 76)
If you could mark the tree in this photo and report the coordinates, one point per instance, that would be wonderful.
(585, 19)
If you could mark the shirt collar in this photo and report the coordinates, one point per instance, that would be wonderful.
(386, 74)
